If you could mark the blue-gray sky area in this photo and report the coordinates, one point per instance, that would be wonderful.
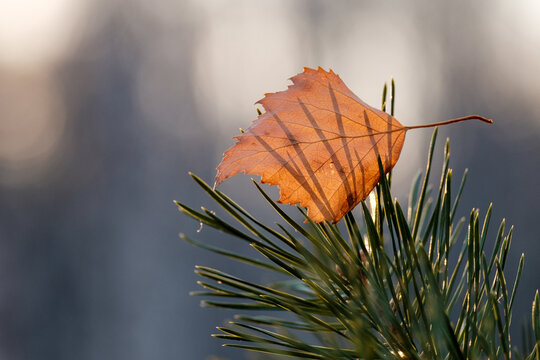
(106, 105)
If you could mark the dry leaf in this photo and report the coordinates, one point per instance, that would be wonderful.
(319, 143)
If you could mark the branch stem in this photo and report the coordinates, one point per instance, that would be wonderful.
(469, 117)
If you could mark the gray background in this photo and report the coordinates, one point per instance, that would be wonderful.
(106, 105)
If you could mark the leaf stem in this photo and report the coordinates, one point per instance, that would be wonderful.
(469, 117)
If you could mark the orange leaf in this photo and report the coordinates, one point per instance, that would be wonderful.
(319, 143)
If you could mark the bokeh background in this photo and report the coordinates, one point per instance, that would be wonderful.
(106, 105)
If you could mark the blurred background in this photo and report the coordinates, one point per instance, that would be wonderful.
(106, 105)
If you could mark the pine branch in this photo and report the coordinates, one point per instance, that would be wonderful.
(385, 285)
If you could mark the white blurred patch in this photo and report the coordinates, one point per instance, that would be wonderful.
(243, 51)
(514, 33)
(36, 32)
(32, 125)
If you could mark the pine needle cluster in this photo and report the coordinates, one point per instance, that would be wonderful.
(392, 282)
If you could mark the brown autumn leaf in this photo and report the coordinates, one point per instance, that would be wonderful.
(319, 143)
